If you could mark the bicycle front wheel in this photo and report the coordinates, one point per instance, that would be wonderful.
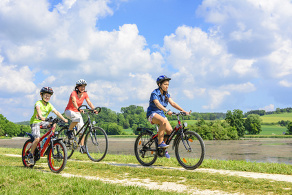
(145, 149)
(190, 150)
(96, 144)
(57, 157)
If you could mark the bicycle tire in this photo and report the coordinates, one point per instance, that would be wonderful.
(143, 152)
(96, 144)
(68, 142)
(25, 151)
(58, 160)
(190, 150)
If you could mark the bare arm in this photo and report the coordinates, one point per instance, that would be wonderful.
(60, 116)
(176, 106)
(89, 103)
(158, 105)
(38, 109)
(74, 102)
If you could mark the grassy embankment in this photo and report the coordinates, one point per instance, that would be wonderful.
(15, 179)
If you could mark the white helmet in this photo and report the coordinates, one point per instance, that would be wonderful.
(81, 82)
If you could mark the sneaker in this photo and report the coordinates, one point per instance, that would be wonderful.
(166, 154)
(162, 145)
(70, 134)
(82, 149)
(30, 159)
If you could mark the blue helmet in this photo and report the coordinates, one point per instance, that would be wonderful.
(162, 78)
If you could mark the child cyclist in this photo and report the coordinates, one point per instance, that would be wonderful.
(42, 109)
(159, 99)
(71, 111)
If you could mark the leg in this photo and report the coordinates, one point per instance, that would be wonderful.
(34, 144)
(35, 131)
(163, 126)
(72, 125)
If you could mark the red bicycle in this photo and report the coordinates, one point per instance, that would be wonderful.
(48, 145)
(189, 146)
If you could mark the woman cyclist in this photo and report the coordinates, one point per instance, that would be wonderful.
(75, 101)
(159, 99)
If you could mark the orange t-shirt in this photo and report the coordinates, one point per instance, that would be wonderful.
(79, 102)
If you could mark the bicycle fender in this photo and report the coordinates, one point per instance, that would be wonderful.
(30, 135)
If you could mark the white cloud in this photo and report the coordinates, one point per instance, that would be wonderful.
(285, 83)
(216, 99)
(15, 79)
(268, 108)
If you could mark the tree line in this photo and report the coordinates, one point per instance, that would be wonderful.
(230, 125)
(8, 128)
(263, 112)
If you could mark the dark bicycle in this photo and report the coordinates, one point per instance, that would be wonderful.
(96, 141)
(189, 146)
(48, 145)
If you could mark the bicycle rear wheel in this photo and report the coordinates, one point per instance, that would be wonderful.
(145, 149)
(190, 150)
(25, 151)
(57, 160)
(70, 144)
(96, 144)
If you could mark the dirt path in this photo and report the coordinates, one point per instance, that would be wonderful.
(171, 186)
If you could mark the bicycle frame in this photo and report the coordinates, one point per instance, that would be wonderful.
(178, 128)
(86, 125)
(50, 133)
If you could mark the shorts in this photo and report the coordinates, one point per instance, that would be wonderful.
(35, 128)
(150, 118)
(75, 117)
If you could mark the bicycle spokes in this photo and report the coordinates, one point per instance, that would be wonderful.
(190, 150)
(96, 143)
(145, 149)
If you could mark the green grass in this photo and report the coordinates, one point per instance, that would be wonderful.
(128, 131)
(275, 118)
(273, 130)
(14, 179)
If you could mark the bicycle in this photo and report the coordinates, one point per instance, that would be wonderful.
(189, 146)
(53, 147)
(96, 141)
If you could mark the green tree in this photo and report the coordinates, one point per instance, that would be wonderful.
(253, 124)
(235, 119)
(289, 129)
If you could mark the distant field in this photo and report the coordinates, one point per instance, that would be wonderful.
(274, 118)
(272, 130)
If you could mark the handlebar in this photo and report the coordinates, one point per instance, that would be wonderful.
(180, 113)
(54, 120)
(98, 109)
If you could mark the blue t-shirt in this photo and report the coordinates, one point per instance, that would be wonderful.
(156, 95)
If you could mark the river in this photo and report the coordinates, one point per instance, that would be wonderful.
(275, 150)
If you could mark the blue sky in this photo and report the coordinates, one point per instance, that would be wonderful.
(221, 55)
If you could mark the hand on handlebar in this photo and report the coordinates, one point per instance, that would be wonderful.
(169, 113)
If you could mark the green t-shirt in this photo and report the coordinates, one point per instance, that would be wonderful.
(45, 111)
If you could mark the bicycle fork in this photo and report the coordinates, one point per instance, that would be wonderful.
(186, 142)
